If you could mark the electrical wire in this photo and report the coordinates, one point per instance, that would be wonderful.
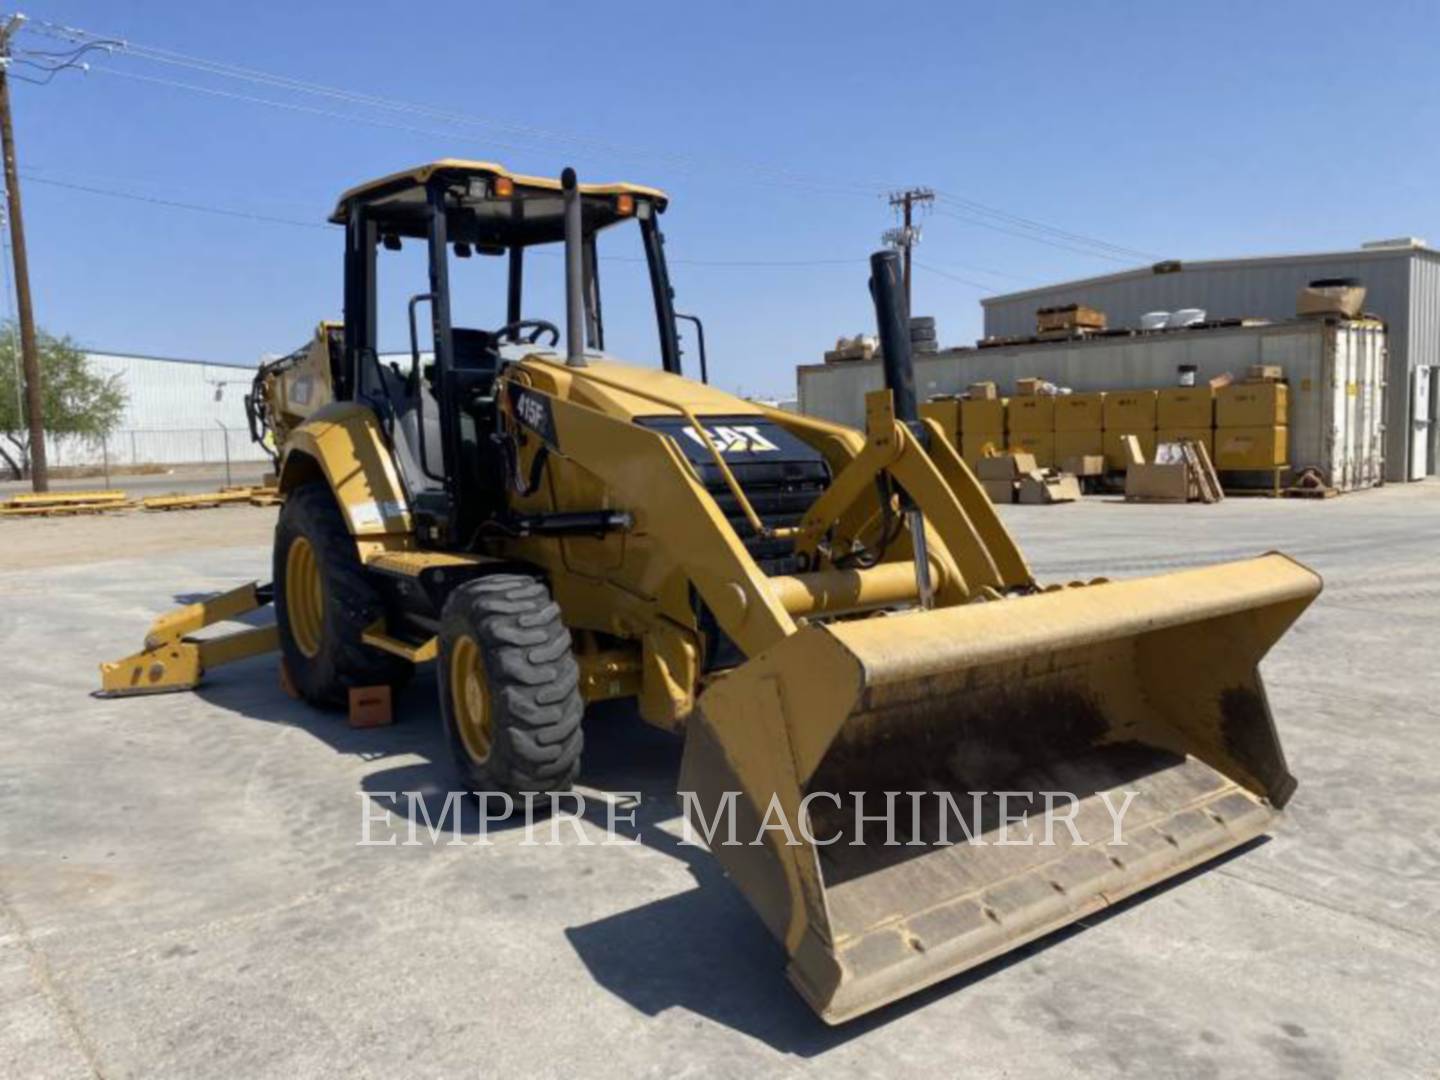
(174, 204)
(520, 136)
(953, 277)
(177, 204)
(1042, 227)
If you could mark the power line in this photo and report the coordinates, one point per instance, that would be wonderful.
(225, 211)
(1040, 226)
(518, 136)
(1025, 227)
(532, 134)
(1061, 245)
(953, 277)
(174, 204)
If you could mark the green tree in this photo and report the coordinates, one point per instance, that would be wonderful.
(78, 400)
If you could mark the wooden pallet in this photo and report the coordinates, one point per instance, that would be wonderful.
(67, 498)
(203, 500)
(1207, 480)
(73, 509)
(1274, 491)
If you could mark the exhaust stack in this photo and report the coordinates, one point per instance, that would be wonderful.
(892, 320)
(574, 273)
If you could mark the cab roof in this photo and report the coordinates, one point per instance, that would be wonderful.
(531, 213)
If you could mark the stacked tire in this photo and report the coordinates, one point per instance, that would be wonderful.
(922, 334)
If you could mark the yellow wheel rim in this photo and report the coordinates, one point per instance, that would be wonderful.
(304, 596)
(470, 698)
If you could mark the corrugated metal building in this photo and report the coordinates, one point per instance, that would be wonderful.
(1403, 283)
(177, 411)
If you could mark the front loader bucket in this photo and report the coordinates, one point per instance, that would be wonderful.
(1092, 692)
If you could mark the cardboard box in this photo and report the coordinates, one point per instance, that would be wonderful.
(1027, 387)
(1038, 444)
(1131, 410)
(946, 413)
(982, 414)
(1046, 486)
(1175, 434)
(973, 444)
(1080, 412)
(1185, 407)
(982, 391)
(1030, 414)
(1000, 491)
(1070, 444)
(1340, 298)
(1158, 483)
(1251, 447)
(1251, 405)
(1264, 373)
(1116, 459)
(1005, 467)
(1083, 464)
(1069, 317)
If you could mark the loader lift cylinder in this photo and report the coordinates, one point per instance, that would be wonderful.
(892, 321)
(574, 273)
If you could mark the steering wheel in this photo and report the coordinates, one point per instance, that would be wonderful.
(512, 331)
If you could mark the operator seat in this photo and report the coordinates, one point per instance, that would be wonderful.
(476, 364)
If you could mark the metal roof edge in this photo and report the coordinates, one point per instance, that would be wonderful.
(1215, 264)
(89, 350)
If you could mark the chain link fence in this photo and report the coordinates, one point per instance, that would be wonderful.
(148, 447)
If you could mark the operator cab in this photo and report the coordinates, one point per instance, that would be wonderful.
(439, 408)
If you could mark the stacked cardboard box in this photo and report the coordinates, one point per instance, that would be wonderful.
(1079, 422)
(1186, 412)
(1030, 427)
(1000, 475)
(1250, 425)
(1129, 412)
(982, 425)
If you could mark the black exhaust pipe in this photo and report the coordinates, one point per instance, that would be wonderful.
(574, 273)
(892, 319)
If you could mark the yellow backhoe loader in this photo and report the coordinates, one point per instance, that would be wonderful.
(821, 611)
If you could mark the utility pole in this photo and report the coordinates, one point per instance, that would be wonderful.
(29, 351)
(908, 235)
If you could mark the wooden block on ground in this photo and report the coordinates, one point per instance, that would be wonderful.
(370, 707)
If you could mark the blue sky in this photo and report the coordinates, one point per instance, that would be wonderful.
(1186, 132)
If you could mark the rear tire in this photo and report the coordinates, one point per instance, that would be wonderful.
(324, 601)
(509, 687)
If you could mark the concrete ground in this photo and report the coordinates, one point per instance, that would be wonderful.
(182, 894)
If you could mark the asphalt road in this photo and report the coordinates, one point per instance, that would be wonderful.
(182, 892)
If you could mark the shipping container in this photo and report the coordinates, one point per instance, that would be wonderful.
(1402, 283)
(1335, 371)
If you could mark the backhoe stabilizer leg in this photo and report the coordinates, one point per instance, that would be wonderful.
(174, 660)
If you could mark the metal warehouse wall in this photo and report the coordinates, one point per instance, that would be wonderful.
(171, 415)
(1403, 289)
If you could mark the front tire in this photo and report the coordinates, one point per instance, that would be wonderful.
(324, 600)
(509, 687)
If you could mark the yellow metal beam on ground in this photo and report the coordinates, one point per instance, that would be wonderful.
(12, 509)
(63, 498)
(204, 500)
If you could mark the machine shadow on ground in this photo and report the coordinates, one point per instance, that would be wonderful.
(702, 950)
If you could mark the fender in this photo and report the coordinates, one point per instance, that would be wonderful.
(343, 443)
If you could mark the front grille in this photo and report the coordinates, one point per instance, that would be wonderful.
(780, 493)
